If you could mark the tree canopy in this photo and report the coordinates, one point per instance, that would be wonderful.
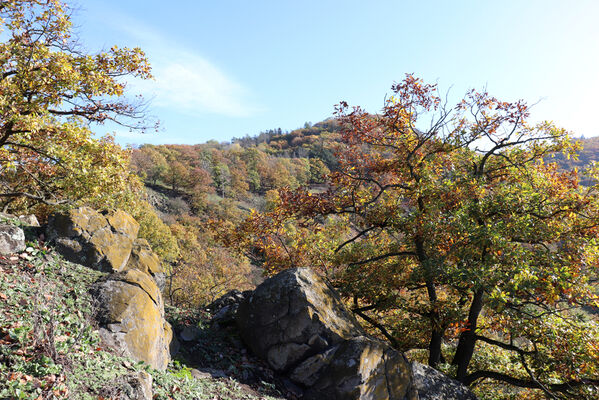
(51, 90)
(449, 230)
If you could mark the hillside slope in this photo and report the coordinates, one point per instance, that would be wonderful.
(49, 345)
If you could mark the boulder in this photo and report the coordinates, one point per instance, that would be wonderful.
(292, 316)
(433, 385)
(102, 241)
(132, 386)
(12, 239)
(145, 260)
(131, 316)
(299, 325)
(360, 368)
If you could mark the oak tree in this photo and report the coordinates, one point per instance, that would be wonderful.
(449, 229)
(51, 90)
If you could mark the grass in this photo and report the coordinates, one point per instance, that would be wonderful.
(49, 346)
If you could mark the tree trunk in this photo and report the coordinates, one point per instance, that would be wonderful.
(434, 346)
(467, 341)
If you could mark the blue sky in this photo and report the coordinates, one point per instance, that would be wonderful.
(229, 68)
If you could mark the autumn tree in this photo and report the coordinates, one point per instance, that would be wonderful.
(149, 164)
(50, 93)
(448, 226)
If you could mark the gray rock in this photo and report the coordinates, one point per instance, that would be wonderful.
(298, 323)
(433, 385)
(30, 220)
(141, 386)
(224, 309)
(12, 239)
(190, 333)
(293, 307)
(362, 368)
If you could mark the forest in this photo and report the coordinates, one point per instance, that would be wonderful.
(463, 234)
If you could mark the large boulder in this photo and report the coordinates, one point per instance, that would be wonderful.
(297, 322)
(12, 239)
(433, 385)
(292, 316)
(131, 316)
(102, 241)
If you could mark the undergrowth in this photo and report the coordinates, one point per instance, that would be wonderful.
(50, 348)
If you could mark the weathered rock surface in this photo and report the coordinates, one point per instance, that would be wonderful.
(296, 322)
(102, 241)
(145, 260)
(433, 385)
(12, 239)
(131, 316)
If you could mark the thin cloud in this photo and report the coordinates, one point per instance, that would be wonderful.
(193, 85)
(185, 81)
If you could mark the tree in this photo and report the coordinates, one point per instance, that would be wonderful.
(50, 91)
(149, 164)
(177, 175)
(457, 232)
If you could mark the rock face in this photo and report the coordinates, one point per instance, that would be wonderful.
(101, 241)
(297, 322)
(131, 316)
(433, 385)
(12, 239)
(145, 260)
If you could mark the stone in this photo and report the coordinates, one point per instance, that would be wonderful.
(139, 386)
(362, 368)
(131, 317)
(299, 325)
(433, 385)
(224, 309)
(197, 374)
(12, 239)
(144, 259)
(293, 307)
(29, 220)
(101, 241)
(190, 333)
(132, 386)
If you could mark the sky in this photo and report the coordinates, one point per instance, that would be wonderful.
(232, 68)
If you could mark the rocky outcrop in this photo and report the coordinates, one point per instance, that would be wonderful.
(102, 241)
(145, 260)
(131, 316)
(297, 322)
(130, 306)
(12, 239)
(433, 385)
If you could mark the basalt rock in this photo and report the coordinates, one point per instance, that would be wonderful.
(101, 241)
(299, 325)
(131, 317)
(145, 260)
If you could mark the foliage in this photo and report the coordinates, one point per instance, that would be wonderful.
(50, 91)
(49, 347)
(455, 231)
(205, 270)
